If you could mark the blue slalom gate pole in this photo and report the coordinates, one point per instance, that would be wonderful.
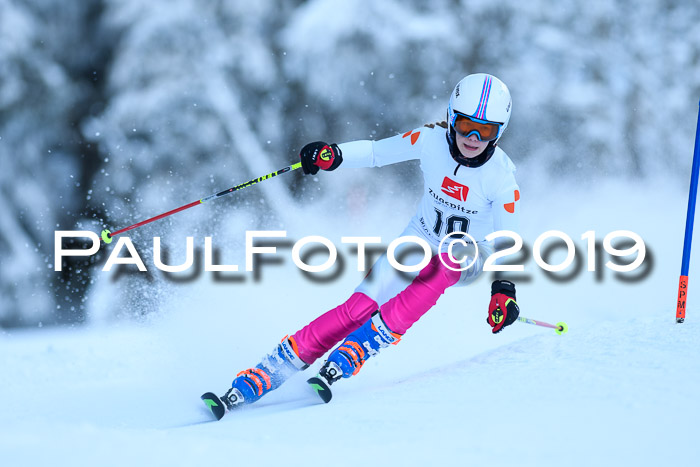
(690, 217)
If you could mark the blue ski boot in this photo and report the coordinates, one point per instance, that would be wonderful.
(349, 357)
(274, 369)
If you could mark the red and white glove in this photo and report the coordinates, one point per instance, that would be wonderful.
(503, 310)
(320, 155)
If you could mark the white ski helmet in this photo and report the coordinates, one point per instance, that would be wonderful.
(480, 104)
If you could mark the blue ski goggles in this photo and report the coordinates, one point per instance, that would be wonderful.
(467, 126)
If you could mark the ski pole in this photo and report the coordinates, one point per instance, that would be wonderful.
(689, 218)
(107, 235)
(560, 327)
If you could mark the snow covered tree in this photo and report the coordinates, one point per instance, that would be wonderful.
(44, 87)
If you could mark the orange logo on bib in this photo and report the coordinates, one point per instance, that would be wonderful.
(454, 189)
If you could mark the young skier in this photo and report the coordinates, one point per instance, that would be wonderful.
(469, 186)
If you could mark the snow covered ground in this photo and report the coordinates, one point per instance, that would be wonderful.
(619, 389)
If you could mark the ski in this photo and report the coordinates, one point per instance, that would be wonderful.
(214, 404)
(321, 388)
